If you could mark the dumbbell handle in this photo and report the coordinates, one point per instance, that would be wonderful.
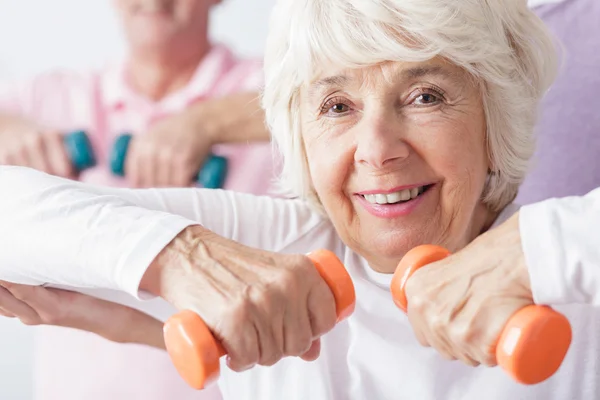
(212, 174)
(195, 352)
(79, 150)
(533, 342)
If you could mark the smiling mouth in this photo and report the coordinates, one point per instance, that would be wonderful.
(401, 196)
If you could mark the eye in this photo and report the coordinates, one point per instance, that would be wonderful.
(339, 108)
(428, 97)
(335, 107)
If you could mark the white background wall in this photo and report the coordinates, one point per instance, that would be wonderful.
(37, 34)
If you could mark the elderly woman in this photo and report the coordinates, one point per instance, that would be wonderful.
(400, 123)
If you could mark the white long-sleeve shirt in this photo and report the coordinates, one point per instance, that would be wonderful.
(75, 235)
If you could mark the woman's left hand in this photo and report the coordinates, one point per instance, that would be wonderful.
(460, 305)
(38, 305)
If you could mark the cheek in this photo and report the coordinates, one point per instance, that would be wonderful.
(330, 162)
(458, 155)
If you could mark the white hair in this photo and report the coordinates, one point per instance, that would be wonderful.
(501, 43)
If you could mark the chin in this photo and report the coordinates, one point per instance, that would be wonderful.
(386, 250)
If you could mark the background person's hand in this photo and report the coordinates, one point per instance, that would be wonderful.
(24, 144)
(169, 154)
(38, 305)
(261, 306)
(460, 305)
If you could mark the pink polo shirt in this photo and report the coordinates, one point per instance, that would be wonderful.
(75, 365)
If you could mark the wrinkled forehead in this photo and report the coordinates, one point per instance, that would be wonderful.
(390, 73)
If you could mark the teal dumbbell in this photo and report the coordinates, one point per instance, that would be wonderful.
(212, 174)
(80, 151)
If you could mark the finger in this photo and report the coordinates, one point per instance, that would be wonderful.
(5, 313)
(321, 309)
(112, 321)
(414, 319)
(313, 352)
(18, 156)
(182, 174)
(268, 320)
(243, 351)
(440, 345)
(237, 333)
(165, 173)
(36, 153)
(12, 304)
(297, 329)
(146, 330)
(148, 167)
(133, 164)
(458, 352)
(59, 162)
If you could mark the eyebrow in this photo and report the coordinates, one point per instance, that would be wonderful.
(335, 81)
(419, 72)
(407, 74)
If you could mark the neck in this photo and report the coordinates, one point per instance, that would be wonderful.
(155, 75)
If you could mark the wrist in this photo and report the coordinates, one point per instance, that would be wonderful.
(512, 239)
(170, 257)
(201, 115)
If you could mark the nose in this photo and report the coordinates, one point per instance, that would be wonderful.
(379, 143)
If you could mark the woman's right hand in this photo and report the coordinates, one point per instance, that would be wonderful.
(24, 144)
(261, 306)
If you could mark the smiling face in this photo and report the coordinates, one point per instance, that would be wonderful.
(397, 155)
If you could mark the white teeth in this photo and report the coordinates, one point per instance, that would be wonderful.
(391, 198)
(405, 195)
(394, 197)
(381, 199)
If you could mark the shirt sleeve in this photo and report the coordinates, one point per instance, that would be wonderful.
(66, 233)
(561, 249)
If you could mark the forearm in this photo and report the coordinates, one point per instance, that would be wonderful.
(61, 232)
(231, 119)
(562, 249)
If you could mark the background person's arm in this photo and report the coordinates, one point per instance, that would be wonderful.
(24, 139)
(175, 147)
(24, 143)
(38, 305)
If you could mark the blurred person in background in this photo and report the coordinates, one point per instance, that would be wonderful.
(181, 97)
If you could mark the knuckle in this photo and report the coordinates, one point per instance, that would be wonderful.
(300, 345)
(461, 335)
(243, 359)
(488, 359)
(263, 297)
(271, 357)
(287, 279)
(417, 301)
(240, 308)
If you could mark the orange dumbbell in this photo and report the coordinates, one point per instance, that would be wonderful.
(195, 352)
(534, 341)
